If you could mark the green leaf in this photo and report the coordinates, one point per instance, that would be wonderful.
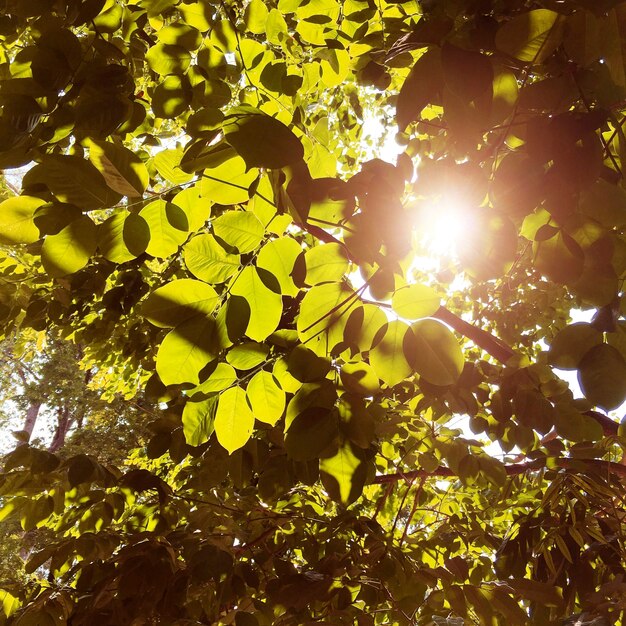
(279, 258)
(255, 17)
(168, 59)
(197, 208)
(16, 219)
(69, 250)
(324, 312)
(364, 324)
(186, 350)
(172, 97)
(344, 474)
(179, 300)
(228, 182)
(240, 229)
(436, 355)
(266, 398)
(167, 163)
(415, 301)
(311, 432)
(424, 82)
(123, 171)
(360, 378)
(326, 263)
(168, 226)
(198, 420)
(261, 140)
(531, 36)
(207, 260)
(387, 357)
(571, 344)
(265, 305)
(180, 34)
(468, 74)
(123, 237)
(76, 181)
(602, 376)
(222, 376)
(248, 355)
(234, 419)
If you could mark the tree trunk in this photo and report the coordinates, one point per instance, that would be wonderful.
(63, 426)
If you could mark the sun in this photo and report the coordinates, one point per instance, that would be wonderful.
(442, 225)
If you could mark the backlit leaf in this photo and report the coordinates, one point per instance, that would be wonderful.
(387, 357)
(71, 248)
(602, 376)
(16, 219)
(531, 36)
(178, 300)
(436, 355)
(266, 398)
(415, 301)
(186, 350)
(198, 420)
(233, 419)
(240, 229)
(327, 263)
(262, 141)
(207, 260)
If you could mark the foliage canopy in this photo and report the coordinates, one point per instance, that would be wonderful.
(202, 214)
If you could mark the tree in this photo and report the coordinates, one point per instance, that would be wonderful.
(203, 217)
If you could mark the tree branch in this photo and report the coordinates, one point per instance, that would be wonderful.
(515, 469)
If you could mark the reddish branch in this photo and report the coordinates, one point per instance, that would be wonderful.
(515, 469)
(488, 342)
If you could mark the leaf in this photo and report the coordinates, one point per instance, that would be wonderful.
(421, 87)
(266, 398)
(197, 208)
(186, 350)
(545, 594)
(248, 355)
(168, 226)
(360, 378)
(310, 432)
(234, 419)
(16, 219)
(255, 17)
(207, 260)
(261, 140)
(240, 229)
(436, 355)
(123, 171)
(222, 376)
(228, 182)
(123, 237)
(324, 312)
(279, 258)
(415, 301)
(69, 250)
(198, 420)
(326, 263)
(344, 474)
(265, 305)
(532, 36)
(570, 345)
(602, 376)
(387, 357)
(468, 74)
(167, 59)
(167, 163)
(76, 181)
(179, 300)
